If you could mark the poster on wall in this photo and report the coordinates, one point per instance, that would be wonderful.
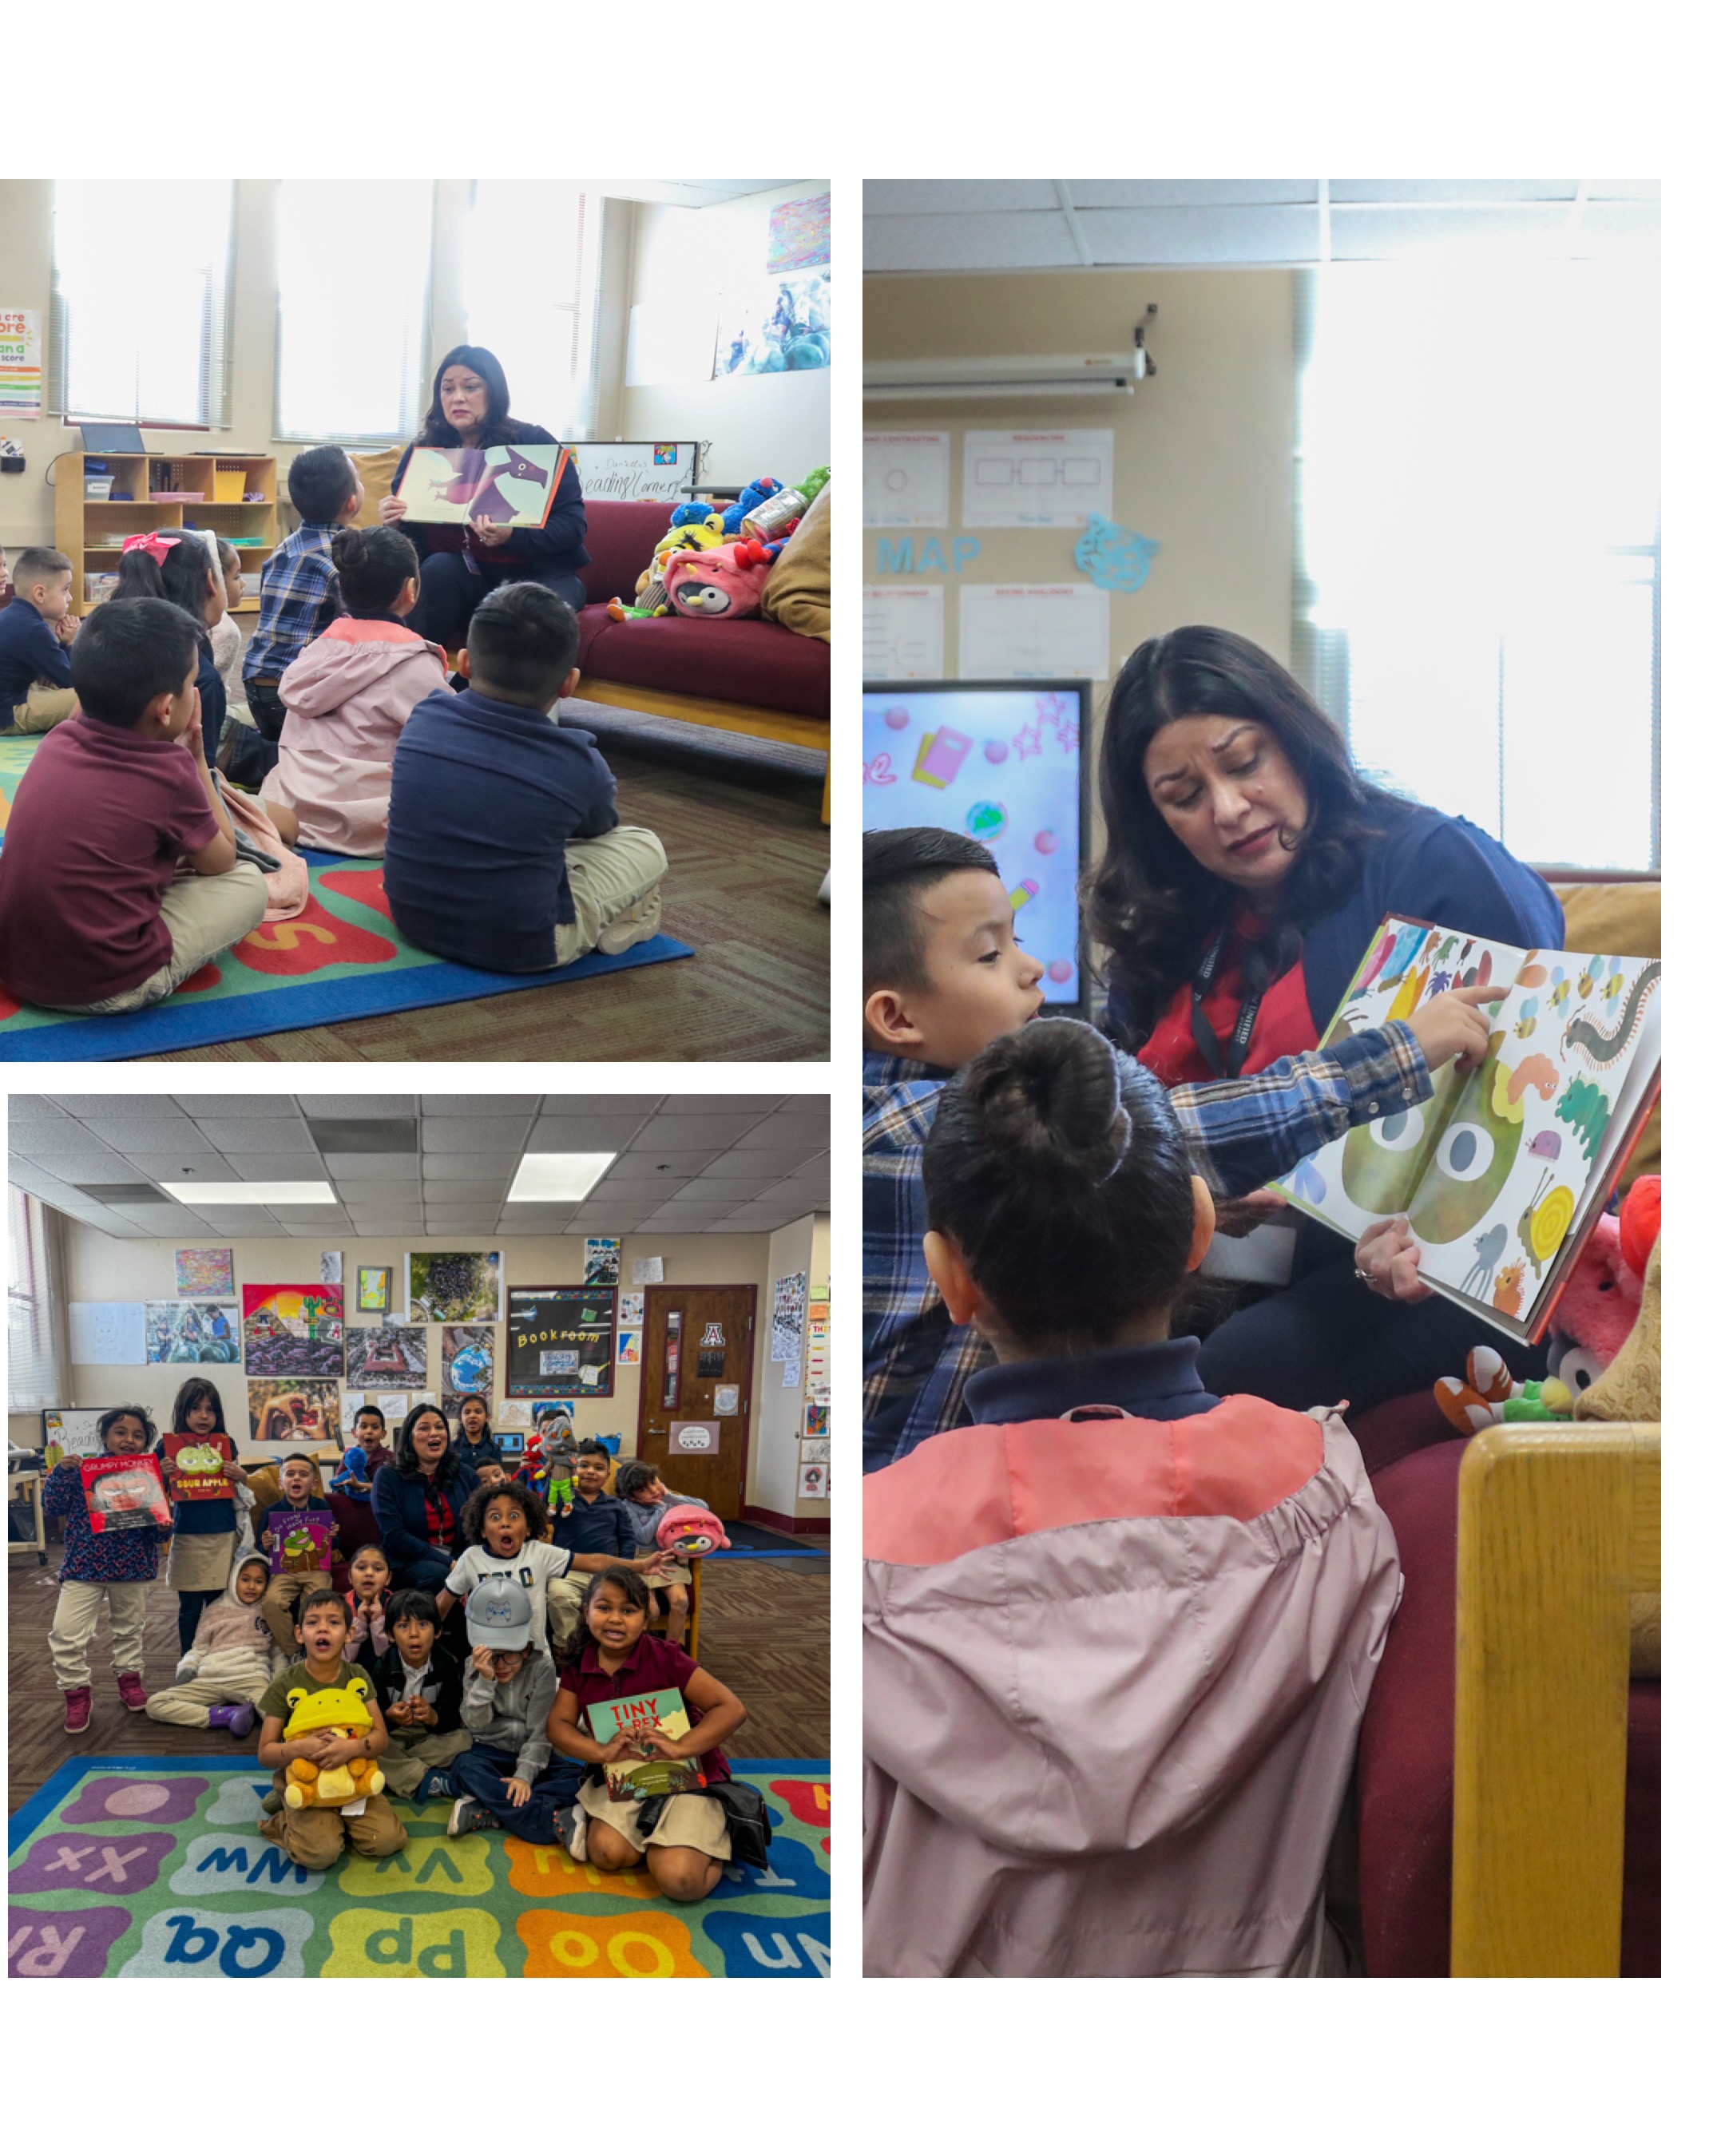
(385, 1354)
(329, 1268)
(816, 1448)
(603, 1260)
(799, 235)
(394, 1408)
(106, 1332)
(812, 1479)
(781, 325)
(293, 1331)
(373, 1289)
(20, 363)
(790, 1303)
(470, 1362)
(203, 1272)
(192, 1332)
(631, 1323)
(455, 1287)
(295, 1416)
(561, 1337)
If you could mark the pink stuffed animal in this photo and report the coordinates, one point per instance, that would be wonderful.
(724, 583)
(691, 1530)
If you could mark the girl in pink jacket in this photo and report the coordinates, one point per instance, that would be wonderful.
(349, 694)
(1118, 1635)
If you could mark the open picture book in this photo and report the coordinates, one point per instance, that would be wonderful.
(1503, 1172)
(511, 486)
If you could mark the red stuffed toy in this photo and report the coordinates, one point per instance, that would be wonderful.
(724, 583)
(691, 1530)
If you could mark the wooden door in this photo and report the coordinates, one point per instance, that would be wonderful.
(698, 1340)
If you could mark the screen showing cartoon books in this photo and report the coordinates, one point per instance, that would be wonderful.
(197, 1465)
(1004, 766)
(1503, 1173)
(633, 1775)
(507, 484)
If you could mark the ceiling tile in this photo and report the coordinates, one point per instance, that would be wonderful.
(120, 1103)
(680, 1161)
(790, 1126)
(485, 1190)
(375, 1166)
(582, 1134)
(237, 1133)
(463, 1166)
(338, 1105)
(473, 1133)
(34, 1108)
(640, 1105)
(478, 1104)
(919, 197)
(684, 1131)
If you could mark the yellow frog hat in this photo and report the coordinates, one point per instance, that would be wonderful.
(331, 1706)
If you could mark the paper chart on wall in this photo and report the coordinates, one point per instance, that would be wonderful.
(905, 478)
(1032, 633)
(790, 1307)
(904, 633)
(107, 1332)
(1060, 479)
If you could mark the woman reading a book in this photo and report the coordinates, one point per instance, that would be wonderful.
(1248, 866)
(460, 562)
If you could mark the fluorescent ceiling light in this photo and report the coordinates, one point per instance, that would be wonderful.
(543, 1176)
(201, 1194)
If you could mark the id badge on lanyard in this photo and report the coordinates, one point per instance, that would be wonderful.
(1205, 1034)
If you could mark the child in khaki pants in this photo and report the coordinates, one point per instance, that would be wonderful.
(115, 1565)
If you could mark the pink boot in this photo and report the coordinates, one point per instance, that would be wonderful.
(131, 1691)
(78, 1709)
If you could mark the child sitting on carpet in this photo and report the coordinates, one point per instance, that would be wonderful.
(36, 690)
(302, 1492)
(207, 1530)
(504, 849)
(501, 1780)
(348, 694)
(369, 1602)
(227, 640)
(1118, 1636)
(315, 1836)
(228, 1667)
(297, 599)
(642, 1493)
(507, 1534)
(614, 1657)
(91, 915)
(419, 1684)
(112, 1566)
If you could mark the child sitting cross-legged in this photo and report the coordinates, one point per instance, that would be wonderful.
(615, 1657)
(503, 1780)
(341, 1734)
(91, 915)
(227, 1668)
(419, 1683)
(504, 847)
(1118, 1636)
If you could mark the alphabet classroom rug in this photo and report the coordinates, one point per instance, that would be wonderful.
(154, 1868)
(342, 957)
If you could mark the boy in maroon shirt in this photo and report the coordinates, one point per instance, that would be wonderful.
(92, 917)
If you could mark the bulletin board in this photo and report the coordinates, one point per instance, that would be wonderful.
(561, 1341)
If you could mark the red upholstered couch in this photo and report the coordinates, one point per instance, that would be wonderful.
(748, 676)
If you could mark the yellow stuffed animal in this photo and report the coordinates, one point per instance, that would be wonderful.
(651, 598)
(331, 1707)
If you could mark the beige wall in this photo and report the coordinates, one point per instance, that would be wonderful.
(757, 424)
(103, 1268)
(804, 1246)
(1203, 452)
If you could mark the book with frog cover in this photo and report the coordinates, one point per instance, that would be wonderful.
(1503, 1172)
(629, 1777)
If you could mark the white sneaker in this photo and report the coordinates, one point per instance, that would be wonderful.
(635, 924)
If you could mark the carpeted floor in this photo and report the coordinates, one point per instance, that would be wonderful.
(748, 850)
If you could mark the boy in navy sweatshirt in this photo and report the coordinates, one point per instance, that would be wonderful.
(36, 690)
(504, 850)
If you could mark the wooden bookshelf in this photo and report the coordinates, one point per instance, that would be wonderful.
(91, 533)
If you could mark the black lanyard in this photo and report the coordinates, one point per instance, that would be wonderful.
(1205, 1034)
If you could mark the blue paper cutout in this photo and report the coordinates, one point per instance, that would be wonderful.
(1114, 558)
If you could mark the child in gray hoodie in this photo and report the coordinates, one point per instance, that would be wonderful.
(230, 1662)
(506, 1703)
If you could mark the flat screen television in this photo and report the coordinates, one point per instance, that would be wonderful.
(1003, 761)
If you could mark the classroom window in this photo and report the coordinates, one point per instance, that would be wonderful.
(141, 274)
(1479, 524)
(34, 1358)
(351, 293)
(530, 276)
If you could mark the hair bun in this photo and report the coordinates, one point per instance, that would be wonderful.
(1050, 1094)
(347, 547)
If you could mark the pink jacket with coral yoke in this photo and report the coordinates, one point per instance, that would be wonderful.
(1113, 1672)
(347, 697)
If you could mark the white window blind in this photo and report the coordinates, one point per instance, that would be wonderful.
(1479, 526)
(141, 300)
(352, 294)
(530, 277)
(35, 1358)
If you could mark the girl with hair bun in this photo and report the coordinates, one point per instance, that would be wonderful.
(1118, 1635)
(348, 694)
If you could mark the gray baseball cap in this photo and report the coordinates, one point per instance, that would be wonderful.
(500, 1613)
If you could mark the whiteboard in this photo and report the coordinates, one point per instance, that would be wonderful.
(636, 471)
(73, 1430)
(107, 1332)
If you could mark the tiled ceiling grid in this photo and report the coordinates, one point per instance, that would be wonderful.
(418, 1165)
(954, 226)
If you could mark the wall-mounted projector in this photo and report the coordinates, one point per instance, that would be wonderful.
(1060, 374)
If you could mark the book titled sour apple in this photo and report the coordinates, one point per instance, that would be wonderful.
(633, 1718)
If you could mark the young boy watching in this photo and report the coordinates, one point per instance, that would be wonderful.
(504, 850)
(36, 690)
(943, 977)
(95, 915)
(297, 596)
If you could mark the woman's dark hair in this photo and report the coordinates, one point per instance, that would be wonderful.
(1148, 902)
(484, 1410)
(411, 1603)
(628, 1584)
(635, 1475)
(106, 1421)
(181, 577)
(532, 1505)
(371, 567)
(128, 653)
(196, 1392)
(407, 1460)
(436, 432)
(1057, 1166)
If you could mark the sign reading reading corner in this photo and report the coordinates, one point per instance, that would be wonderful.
(635, 471)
